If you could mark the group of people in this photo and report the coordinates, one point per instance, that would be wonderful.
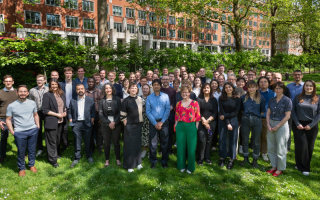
(199, 111)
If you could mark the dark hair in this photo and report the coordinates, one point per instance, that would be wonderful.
(143, 77)
(60, 92)
(297, 71)
(91, 78)
(201, 95)
(218, 89)
(256, 97)
(80, 84)
(103, 70)
(240, 70)
(224, 95)
(221, 65)
(114, 92)
(241, 78)
(131, 84)
(156, 81)
(80, 67)
(186, 88)
(264, 77)
(155, 69)
(20, 86)
(314, 96)
(279, 84)
(121, 72)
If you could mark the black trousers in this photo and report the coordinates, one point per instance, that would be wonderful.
(107, 133)
(52, 137)
(215, 138)
(64, 137)
(153, 142)
(39, 140)
(96, 130)
(80, 130)
(205, 140)
(4, 138)
(304, 144)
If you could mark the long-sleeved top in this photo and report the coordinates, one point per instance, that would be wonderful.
(295, 89)
(209, 108)
(96, 94)
(196, 91)
(306, 111)
(158, 107)
(193, 96)
(251, 108)
(229, 108)
(118, 90)
(36, 95)
(131, 110)
(84, 82)
(105, 111)
(188, 114)
(172, 96)
(278, 110)
(268, 94)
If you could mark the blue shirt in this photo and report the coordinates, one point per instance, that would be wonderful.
(157, 107)
(267, 96)
(84, 82)
(295, 89)
(251, 107)
(278, 110)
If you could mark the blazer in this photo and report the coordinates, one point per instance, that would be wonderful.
(74, 92)
(89, 110)
(115, 106)
(49, 103)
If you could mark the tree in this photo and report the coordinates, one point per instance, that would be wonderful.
(102, 22)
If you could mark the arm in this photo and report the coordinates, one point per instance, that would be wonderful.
(262, 105)
(283, 121)
(167, 110)
(149, 112)
(117, 116)
(101, 113)
(316, 119)
(46, 107)
(93, 111)
(268, 120)
(235, 112)
(123, 112)
(70, 111)
(215, 109)
(36, 119)
(9, 124)
(294, 113)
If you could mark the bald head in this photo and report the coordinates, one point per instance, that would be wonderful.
(277, 77)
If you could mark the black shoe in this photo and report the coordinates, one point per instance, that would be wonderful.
(246, 160)
(153, 165)
(221, 163)
(171, 152)
(165, 165)
(230, 164)
(200, 162)
(255, 163)
(208, 161)
(56, 165)
(1, 160)
(100, 152)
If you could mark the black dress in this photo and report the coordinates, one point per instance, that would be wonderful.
(131, 110)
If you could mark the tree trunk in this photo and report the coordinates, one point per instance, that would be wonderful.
(273, 40)
(102, 23)
(237, 37)
(236, 34)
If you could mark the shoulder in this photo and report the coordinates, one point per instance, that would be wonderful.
(243, 97)
(47, 94)
(89, 98)
(13, 104)
(262, 98)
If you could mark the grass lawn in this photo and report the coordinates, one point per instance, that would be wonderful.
(93, 181)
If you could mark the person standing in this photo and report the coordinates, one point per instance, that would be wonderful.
(96, 95)
(145, 127)
(165, 71)
(132, 77)
(279, 111)
(103, 74)
(53, 74)
(149, 77)
(203, 77)
(241, 73)
(132, 118)
(26, 120)
(82, 115)
(171, 79)
(7, 95)
(109, 112)
(36, 94)
(125, 87)
(111, 77)
(177, 74)
(121, 76)
(186, 123)
(158, 110)
(216, 92)
(138, 76)
(186, 83)
(156, 71)
(54, 108)
(81, 78)
(144, 81)
(197, 86)
(97, 81)
(306, 116)
(221, 81)
(221, 69)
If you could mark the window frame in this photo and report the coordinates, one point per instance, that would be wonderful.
(179, 34)
(88, 2)
(25, 15)
(45, 2)
(94, 24)
(139, 14)
(72, 18)
(132, 27)
(120, 25)
(162, 31)
(120, 15)
(131, 11)
(68, 1)
(85, 41)
(60, 24)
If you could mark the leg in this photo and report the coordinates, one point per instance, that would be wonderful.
(153, 143)
(222, 139)
(171, 130)
(202, 140)
(245, 130)
(106, 133)
(233, 139)
(215, 139)
(256, 133)
(39, 140)
(181, 145)
(32, 144)
(92, 145)
(86, 130)
(64, 134)
(281, 142)
(311, 138)
(115, 138)
(263, 138)
(164, 135)
(272, 148)
(21, 141)
(52, 144)
(301, 147)
(99, 138)
(4, 140)
(77, 132)
(213, 125)
(191, 145)
(289, 139)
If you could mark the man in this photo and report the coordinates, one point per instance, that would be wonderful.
(68, 86)
(177, 74)
(197, 74)
(241, 72)
(121, 77)
(277, 77)
(144, 81)
(203, 77)
(156, 71)
(81, 78)
(171, 79)
(138, 76)
(53, 74)
(264, 83)
(251, 77)
(96, 95)
(97, 81)
(24, 113)
(132, 77)
(82, 115)
(172, 97)
(221, 81)
(149, 77)
(193, 96)
(165, 71)
(157, 110)
(183, 69)
(36, 94)
(7, 95)
(111, 77)
(221, 69)
(232, 78)
(103, 80)
(230, 71)
(215, 74)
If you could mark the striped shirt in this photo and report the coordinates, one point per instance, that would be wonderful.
(96, 94)
(36, 95)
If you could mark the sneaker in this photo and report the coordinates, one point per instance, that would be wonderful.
(189, 172)
(200, 162)
(265, 157)
(74, 163)
(306, 173)
(175, 145)
(240, 149)
(139, 166)
(221, 163)
(182, 170)
(130, 170)
(230, 164)
(143, 154)
(39, 153)
(208, 161)
(213, 148)
(90, 160)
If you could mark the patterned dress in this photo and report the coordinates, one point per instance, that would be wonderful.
(145, 126)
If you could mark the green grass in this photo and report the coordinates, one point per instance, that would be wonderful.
(93, 181)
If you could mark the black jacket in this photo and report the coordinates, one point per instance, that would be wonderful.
(74, 84)
(89, 110)
(115, 106)
(49, 103)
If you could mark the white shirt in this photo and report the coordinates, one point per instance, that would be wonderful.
(81, 103)
(196, 91)
(104, 82)
(217, 95)
(225, 76)
(68, 93)
(125, 94)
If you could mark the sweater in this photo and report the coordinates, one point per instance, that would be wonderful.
(6, 97)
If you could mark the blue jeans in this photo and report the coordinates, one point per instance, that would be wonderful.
(253, 124)
(24, 140)
(4, 138)
(231, 152)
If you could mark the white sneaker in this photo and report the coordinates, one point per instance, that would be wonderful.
(213, 148)
(189, 172)
(306, 173)
(175, 145)
(143, 154)
(130, 170)
(39, 153)
(296, 167)
(265, 157)
(240, 149)
(139, 166)
(182, 170)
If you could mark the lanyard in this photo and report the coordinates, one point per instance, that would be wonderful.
(41, 96)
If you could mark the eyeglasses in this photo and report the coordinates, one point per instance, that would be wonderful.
(278, 88)
(250, 74)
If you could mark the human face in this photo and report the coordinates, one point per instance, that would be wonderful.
(121, 77)
(202, 72)
(262, 73)
(241, 73)
(214, 85)
(278, 90)
(171, 77)
(165, 81)
(54, 86)
(145, 90)
(251, 76)
(216, 75)
(54, 75)
(183, 69)
(22, 93)
(165, 71)
(156, 71)
(126, 84)
(80, 72)
(252, 90)
(143, 81)
(155, 76)
(108, 90)
(276, 78)
(185, 84)
(263, 84)
(176, 73)
(206, 89)
(197, 82)
(308, 88)
(184, 75)
(197, 74)
(133, 90)
(231, 79)
(40, 81)
(80, 90)
(68, 75)
(297, 76)
(97, 79)
(149, 75)
(245, 77)
(8, 82)
(102, 74)
(176, 86)
(241, 83)
(230, 72)
(221, 69)
(185, 94)
(156, 87)
(221, 81)
(91, 83)
(228, 89)
(269, 76)
(111, 77)
(132, 78)
(138, 76)
(191, 77)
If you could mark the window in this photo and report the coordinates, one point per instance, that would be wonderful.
(260, 34)
(181, 21)
(201, 24)
(230, 19)
(88, 24)
(254, 33)
(245, 41)
(189, 35)
(208, 36)
(172, 33)
(215, 26)
(201, 36)
(2, 24)
(129, 12)
(130, 27)
(32, 18)
(200, 48)
(254, 43)
(180, 34)
(89, 41)
(223, 40)
(250, 22)
(215, 37)
(255, 24)
(172, 20)
(72, 4)
(263, 51)
(264, 43)
(268, 35)
(143, 30)
(261, 25)
(33, 35)
(223, 28)
(189, 22)
(181, 45)
(189, 46)
(118, 27)
(73, 39)
(154, 45)
(163, 45)
(53, 20)
(245, 32)
(49, 2)
(229, 40)
(261, 16)
(255, 15)
(142, 15)
(260, 42)
(117, 10)
(153, 31)
(268, 43)
(249, 43)
(250, 32)
(163, 19)
(223, 17)
(172, 45)
(88, 6)
(31, 1)
(163, 32)
(208, 25)
(152, 17)
(208, 48)
(267, 52)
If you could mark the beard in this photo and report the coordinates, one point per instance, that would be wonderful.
(81, 93)
(22, 97)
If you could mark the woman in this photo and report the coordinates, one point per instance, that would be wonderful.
(184, 75)
(262, 73)
(54, 108)
(109, 113)
(145, 126)
(191, 77)
(278, 114)
(241, 82)
(221, 81)
(229, 106)
(155, 76)
(131, 116)
(214, 84)
(209, 112)
(197, 86)
(125, 84)
(252, 107)
(245, 78)
(269, 76)
(306, 116)
(176, 85)
(187, 121)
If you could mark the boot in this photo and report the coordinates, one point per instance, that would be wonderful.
(245, 160)
(255, 163)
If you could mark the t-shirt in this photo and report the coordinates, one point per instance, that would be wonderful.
(22, 113)
(68, 93)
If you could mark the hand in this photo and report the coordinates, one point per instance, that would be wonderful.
(300, 127)
(59, 115)
(207, 126)
(64, 114)
(171, 107)
(274, 129)
(222, 117)
(159, 125)
(38, 127)
(230, 127)
(269, 128)
(12, 133)
(1, 124)
(112, 125)
(92, 121)
(70, 120)
(307, 127)
(125, 122)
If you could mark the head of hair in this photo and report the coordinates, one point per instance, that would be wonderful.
(222, 76)
(314, 96)
(264, 77)
(7, 76)
(201, 95)
(155, 69)
(143, 77)
(184, 88)
(192, 74)
(186, 81)
(40, 75)
(177, 70)
(164, 68)
(146, 85)
(60, 92)
(279, 84)
(263, 71)
(96, 74)
(103, 70)
(256, 97)
(218, 88)
(232, 75)
(298, 70)
(221, 65)
(132, 85)
(112, 72)
(138, 72)
(241, 78)
(114, 92)
(89, 78)
(240, 70)
(171, 73)
(121, 72)
(253, 71)
(268, 72)
(80, 85)
(22, 86)
(67, 69)
(80, 67)
(176, 80)
(224, 95)
(124, 80)
(215, 71)
(132, 73)
(195, 80)
(156, 81)
(54, 71)
(230, 70)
